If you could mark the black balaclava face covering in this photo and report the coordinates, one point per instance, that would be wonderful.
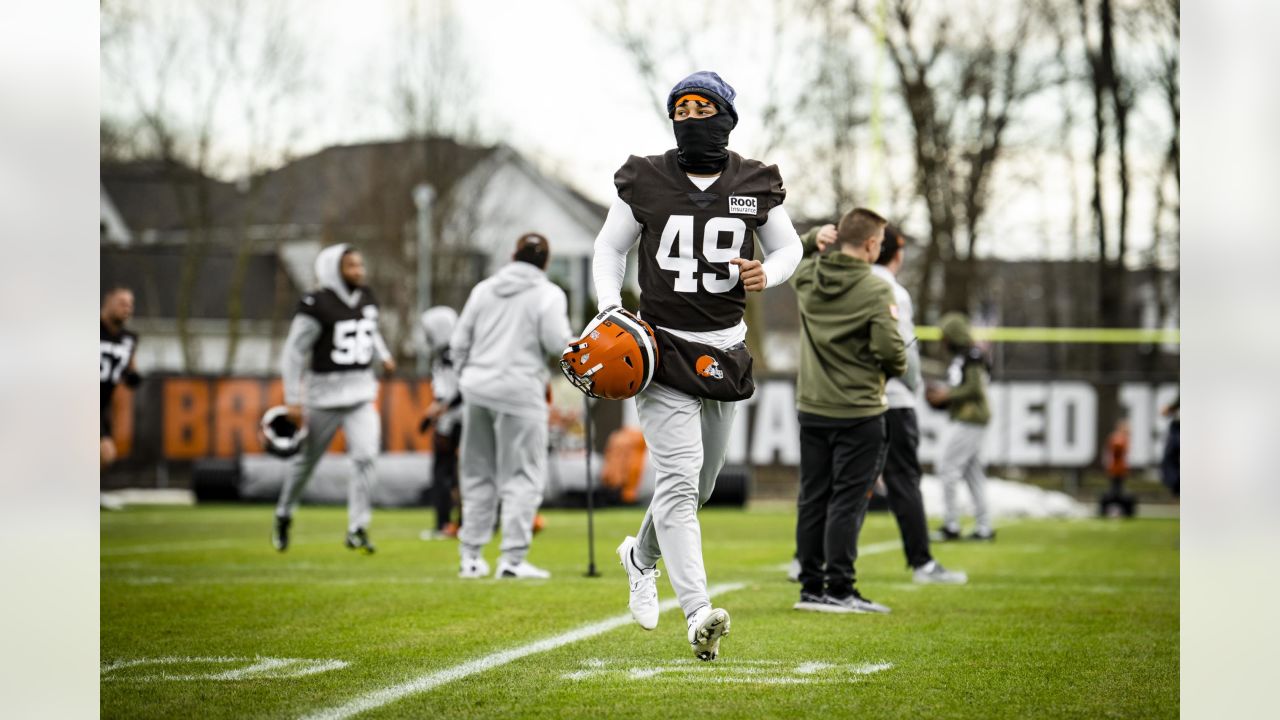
(703, 143)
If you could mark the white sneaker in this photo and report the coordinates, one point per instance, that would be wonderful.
(473, 568)
(706, 627)
(523, 570)
(932, 572)
(644, 588)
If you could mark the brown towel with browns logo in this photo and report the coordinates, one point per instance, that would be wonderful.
(702, 370)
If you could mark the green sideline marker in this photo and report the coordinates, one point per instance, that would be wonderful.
(1101, 336)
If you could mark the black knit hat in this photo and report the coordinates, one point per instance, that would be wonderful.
(708, 84)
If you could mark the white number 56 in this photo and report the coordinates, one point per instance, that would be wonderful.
(353, 342)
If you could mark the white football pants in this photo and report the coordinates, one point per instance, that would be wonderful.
(363, 429)
(503, 459)
(962, 461)
(687, 438)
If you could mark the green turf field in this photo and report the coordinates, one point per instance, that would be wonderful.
(202, 618)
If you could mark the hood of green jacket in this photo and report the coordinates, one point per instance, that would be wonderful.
(835, 274)
(955, 330)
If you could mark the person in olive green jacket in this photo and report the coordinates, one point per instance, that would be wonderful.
(849, 343)
(965, 398)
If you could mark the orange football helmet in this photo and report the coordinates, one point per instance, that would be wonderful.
(614, 359)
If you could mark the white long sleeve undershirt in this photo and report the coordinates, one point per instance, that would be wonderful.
(621, 231)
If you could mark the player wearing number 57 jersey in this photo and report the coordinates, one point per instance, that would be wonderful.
(329, 383)
(695, 212)
(117, 362)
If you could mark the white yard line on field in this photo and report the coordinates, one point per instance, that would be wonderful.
(243, 542)
(173, 547)
(421, 684)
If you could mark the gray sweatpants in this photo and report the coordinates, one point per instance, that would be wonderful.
(962, 460)
(503, 459)
(364, 431)
(687, 438)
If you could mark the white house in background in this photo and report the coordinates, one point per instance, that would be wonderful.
(277, 222)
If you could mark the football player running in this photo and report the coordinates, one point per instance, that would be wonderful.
(333, 340)
(693, 210)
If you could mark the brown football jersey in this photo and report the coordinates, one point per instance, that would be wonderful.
(346, 339)
(688, 236)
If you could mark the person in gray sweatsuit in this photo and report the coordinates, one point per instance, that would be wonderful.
(329, 383)
(511, 325)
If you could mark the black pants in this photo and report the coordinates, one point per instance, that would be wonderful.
(1117, 485)
(838, 463)
(444, 473)
(902, 481)
(1171, 462)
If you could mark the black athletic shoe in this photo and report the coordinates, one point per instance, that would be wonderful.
(280, 534)
(812, 602)
(946, 534)
(359, 540)
(987, 535)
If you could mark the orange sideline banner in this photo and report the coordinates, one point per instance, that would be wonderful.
(195, 417)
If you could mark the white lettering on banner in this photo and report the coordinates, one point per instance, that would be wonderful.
(1032, 423)
(1136, 400)
(776, 430)
(995, 444)
(1159, 429)
(1073, 409)
(1165, 394)
(1026, 423)
(1147, 427)
(736, 454)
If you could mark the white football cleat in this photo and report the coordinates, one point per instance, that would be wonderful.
(473, 568)
(644, 588)
(706, 627)
(523, 570)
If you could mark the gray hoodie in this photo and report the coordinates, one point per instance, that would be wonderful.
(512, 324)
(330, 389)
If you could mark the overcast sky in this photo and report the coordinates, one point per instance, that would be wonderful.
(546, 79)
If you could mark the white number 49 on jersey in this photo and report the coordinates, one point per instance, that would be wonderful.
(679, 232)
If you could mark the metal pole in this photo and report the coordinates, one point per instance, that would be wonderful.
(424, 197)
(591, 503)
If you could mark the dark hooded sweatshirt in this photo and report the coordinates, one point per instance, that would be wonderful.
(849, 335)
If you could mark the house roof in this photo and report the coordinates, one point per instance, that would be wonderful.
(365, 184)
(362, 184)
(163, 194)
(155, 274)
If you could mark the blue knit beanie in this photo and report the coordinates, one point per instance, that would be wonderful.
(705, 82)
